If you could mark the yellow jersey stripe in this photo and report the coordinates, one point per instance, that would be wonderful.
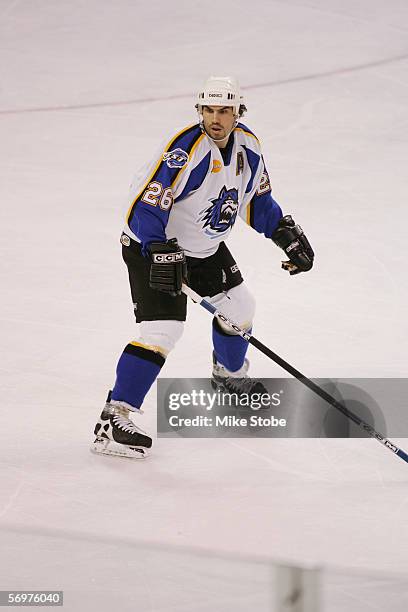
(169, 144)
(193, 148)
(248, 213)
(237, 129)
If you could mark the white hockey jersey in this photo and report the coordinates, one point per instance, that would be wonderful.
(192, 192)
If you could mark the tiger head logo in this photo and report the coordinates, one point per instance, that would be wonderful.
(221, 215)
(176, 158)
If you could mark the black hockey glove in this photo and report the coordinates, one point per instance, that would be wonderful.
(290, 237)
(168, 268)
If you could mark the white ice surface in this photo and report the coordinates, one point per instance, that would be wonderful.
(86, 91)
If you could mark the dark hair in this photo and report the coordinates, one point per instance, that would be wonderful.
(242, 109)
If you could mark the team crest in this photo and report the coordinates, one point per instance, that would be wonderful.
(176, 158)
(221, 215)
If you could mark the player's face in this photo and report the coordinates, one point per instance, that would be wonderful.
(218, 121)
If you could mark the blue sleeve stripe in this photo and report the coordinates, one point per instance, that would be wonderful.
(253, 161)
(189, 149)
(263, 214)
(196, 178)
(187, 139)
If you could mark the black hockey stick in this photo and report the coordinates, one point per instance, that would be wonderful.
(301, 377)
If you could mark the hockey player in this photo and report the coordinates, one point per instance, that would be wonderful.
(182, 207)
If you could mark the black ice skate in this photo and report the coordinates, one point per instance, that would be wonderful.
(236, 382)
(117, 435)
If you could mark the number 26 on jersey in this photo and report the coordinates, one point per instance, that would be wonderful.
(155, 195)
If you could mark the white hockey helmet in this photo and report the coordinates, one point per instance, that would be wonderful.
(221, 91)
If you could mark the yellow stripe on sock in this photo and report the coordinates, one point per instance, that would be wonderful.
(151, 347)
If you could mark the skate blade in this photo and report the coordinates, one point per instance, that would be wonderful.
(107, 447)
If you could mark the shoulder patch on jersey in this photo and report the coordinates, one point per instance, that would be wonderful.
(177, 158)
(264, 183)
(166, 172)
(221, 214)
